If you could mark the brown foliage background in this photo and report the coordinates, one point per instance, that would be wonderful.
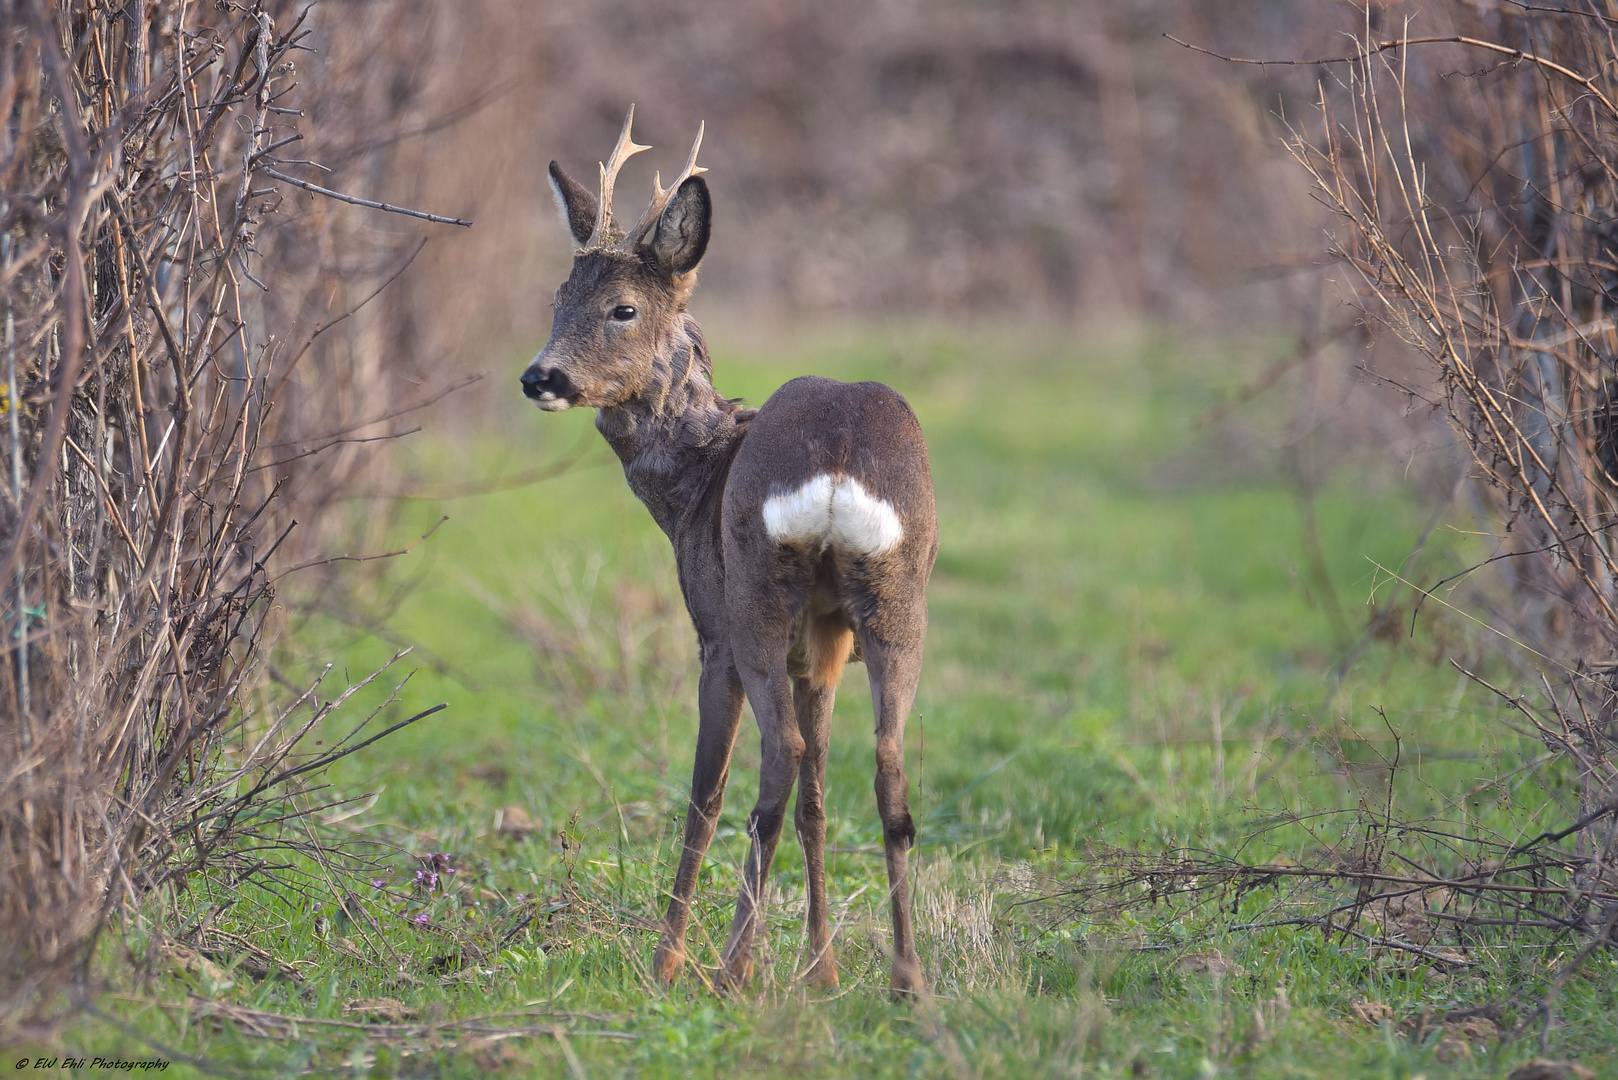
(889, 160)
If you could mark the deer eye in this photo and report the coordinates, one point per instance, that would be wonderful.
(623, 313)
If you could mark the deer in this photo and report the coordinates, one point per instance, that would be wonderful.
(804, 533)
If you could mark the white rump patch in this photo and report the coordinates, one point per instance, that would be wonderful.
(835, 512)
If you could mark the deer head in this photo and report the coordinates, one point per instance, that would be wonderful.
(625, 298)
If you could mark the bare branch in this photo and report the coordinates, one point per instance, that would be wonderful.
(357, 201)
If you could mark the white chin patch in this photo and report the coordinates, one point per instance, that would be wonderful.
(551, 403)
(833, 512)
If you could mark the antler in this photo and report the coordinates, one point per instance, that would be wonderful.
(621, 153)
(662, 195)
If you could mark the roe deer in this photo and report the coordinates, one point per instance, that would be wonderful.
(804, 533)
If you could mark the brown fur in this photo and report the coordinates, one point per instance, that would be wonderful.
(774, 622)
(830, 638)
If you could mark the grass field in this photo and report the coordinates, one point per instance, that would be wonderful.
(1129, 646)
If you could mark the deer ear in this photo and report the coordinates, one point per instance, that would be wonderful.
(681, 236)
(576, 205)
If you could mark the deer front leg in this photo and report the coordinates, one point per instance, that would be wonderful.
(782, 748)
(813, 705)
(719, 705)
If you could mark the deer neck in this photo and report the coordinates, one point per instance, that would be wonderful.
(676, 432)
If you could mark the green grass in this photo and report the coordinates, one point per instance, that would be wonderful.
(1111, 578)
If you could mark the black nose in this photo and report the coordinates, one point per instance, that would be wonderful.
(537, 382)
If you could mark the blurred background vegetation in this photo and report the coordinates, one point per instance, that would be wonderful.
(886, 161)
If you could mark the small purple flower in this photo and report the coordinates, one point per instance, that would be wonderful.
(423, 919)
(378, 883)
(434, 864)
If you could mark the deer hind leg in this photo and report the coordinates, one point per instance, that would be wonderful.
(719, 704)
(829, 638)
(769, 690)
(894, 671)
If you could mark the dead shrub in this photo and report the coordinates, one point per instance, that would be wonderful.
(189, 371)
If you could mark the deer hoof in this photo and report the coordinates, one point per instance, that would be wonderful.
(907, 984)
(823, 976)
(667, 961)
(736, 974)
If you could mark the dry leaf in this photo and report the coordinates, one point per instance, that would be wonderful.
(492, 1056)
(1478, 1028)
(514, 821)
(1371, 1013)
(212, 975)
(492, 773)
(1210, 963)
(1546, 1069)
(391, 1010)
(1406, 916)
(1452, 1049)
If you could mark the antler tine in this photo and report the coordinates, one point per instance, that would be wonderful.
(662, 195)
(621, 153)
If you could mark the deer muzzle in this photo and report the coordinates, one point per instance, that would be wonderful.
(548, 387)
